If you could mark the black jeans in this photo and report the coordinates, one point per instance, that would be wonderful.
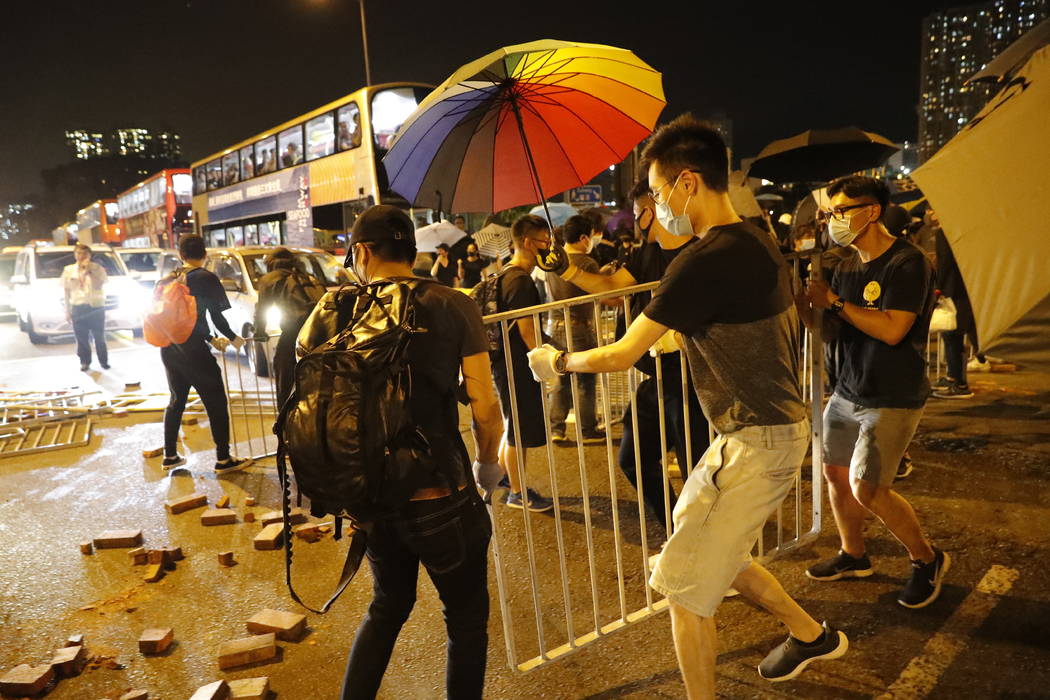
(283, 365)
(450, 537)
(955, 355)
(651, 452)
(90, 321)
(191, 365)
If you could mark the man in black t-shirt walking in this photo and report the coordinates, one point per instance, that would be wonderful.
(878, 307)
(729, 295)
(190, 365)
(531, 235)
(444, 526)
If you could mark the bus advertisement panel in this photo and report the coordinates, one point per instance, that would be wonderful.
(99, 223)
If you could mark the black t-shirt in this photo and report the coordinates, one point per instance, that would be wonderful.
(868, 371)
(446, 274)
(211, 299)
(472, 271)
(648, 264)
(516, 291)
(454, 331)
(730, 294)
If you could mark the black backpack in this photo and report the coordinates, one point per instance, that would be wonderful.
(302, 292)
(487, 296)
(346, 428)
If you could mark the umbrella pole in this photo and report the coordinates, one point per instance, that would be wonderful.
(532, 164)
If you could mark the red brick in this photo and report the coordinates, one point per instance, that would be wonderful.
(26, 680)
(181, 505)
(287, 626)
(118, 539)
(156, 640)
(240, 652)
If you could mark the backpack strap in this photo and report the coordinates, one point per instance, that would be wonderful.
(355, 553)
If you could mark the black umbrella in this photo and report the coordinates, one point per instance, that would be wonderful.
(820, 155)
(1015, 55)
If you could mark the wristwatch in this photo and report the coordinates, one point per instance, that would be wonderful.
(560, 361)
(838, 305)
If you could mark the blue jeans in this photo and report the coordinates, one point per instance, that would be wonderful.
(450, 537)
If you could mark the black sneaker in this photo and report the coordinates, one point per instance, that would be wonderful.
(558, 437)
(925, 583)
(504, 483)
(954, 391)
(172, 462)
(84, 368)
(791, 658)
(839, 566)
(232, 464)
(105, 365)
(593, 437)
(905, 468)
(942, 383)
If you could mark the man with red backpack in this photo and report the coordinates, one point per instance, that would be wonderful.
(191, 365)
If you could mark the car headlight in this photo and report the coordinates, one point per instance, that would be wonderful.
(48, 306)
(134, 301)
(273, 318)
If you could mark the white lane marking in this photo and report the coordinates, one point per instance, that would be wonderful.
(922, 674)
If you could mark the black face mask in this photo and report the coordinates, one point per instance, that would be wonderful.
(644, 230)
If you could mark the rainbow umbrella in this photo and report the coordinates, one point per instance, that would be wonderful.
(522, 124)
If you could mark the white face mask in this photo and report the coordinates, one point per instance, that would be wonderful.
(590, 244)
(841, 232)
(676, 225)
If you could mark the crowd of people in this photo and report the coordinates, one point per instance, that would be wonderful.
(726, 299)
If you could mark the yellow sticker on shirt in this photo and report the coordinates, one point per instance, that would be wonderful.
(872, 292)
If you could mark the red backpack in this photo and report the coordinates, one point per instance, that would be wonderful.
(173, 314)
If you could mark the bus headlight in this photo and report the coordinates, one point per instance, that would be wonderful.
(273, 319)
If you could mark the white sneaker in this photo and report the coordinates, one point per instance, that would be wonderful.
(975, 365)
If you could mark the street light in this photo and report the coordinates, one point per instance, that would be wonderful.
(364, 43)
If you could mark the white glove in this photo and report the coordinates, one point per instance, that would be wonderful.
(220, 344)
(487, 476)
(541, 362)
(237, 343)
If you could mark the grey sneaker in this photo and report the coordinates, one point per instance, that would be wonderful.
(925, 583)
(839, 566)
(536, 502)
(954, 391)
(791, 658)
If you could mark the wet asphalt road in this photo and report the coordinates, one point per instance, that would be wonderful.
(982, 489)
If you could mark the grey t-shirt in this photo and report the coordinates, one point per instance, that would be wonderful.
(730, 295)
(560, 289)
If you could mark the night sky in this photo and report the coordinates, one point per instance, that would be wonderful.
(218, 71)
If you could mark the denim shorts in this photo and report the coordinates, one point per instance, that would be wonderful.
(870, 441)
(737, 485)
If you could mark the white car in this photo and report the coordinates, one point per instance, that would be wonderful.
(239, 271)
(39, 299)
(7, 268)
(147, 265)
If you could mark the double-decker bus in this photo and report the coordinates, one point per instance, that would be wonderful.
(314, 172)
(155, 212)
(99, 222)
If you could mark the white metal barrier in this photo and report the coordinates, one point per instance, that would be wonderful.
(582, 571)
(251, 398)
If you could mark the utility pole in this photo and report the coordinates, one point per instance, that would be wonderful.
(364, 43)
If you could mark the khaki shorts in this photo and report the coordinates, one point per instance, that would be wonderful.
(870, 441)
(739, 482)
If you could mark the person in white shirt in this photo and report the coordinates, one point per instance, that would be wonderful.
(83, 282)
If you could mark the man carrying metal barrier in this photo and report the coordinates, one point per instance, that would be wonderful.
(293, 293)
(729, 295)
(688, 426)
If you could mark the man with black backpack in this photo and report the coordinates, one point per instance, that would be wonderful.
(294, 293)
(444, 524)
(191, 364)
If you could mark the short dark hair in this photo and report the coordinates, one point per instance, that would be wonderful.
(81, 246)
(594, 218)
(524, 225)
(687, 143)
(443, 246)
(859, 186)
(459, 216)
(393, 250)
(281, 257)
(576, 227)
(191, 247)
(640, 189)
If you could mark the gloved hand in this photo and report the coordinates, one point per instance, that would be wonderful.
(541, 362)
(487, 476)
(220, 343)
(554, 259)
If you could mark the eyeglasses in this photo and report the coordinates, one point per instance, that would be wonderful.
(545, 240)
(839, 213)
(655, 192)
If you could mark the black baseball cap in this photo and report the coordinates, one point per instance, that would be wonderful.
(380, 223)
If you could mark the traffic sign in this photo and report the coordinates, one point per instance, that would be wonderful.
(588, 194)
